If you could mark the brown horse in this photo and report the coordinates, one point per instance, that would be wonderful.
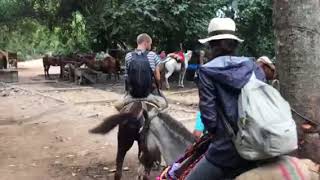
(111, 66)
(3, 60)
(61, 61)
(91, 63)
(51, 61)
(130, 121)
(157, 134)
(108, 65)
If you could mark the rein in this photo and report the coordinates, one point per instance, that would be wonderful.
(305, 118)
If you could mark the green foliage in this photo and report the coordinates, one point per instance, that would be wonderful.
(168, 22)
(29, 40)
(254, 22)
(62, 26)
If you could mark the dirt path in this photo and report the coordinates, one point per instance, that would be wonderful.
(44, 127)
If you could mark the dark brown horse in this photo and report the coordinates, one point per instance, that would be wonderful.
(61, 61)
(156, 134)
(52, 61)
(130, 121)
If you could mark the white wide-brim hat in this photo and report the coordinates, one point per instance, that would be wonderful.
(221, 28)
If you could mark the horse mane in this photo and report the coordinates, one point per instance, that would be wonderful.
(176, 127)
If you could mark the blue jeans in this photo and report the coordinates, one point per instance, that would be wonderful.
(204, 170)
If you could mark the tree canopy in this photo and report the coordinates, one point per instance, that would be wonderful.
(33, 27)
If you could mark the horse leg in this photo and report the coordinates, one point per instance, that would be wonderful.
(179, 81)
(168, 74)
(116, 75)
(125, 142)
(47, 70)
(182, 78)
(61, 72)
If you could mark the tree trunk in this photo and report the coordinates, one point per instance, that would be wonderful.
(297, 29)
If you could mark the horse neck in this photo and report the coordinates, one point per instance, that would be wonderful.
(171, 137)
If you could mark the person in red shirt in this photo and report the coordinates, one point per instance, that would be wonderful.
(179, 56)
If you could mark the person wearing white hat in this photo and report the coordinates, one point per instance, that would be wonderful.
(220, 81)
(267, 66)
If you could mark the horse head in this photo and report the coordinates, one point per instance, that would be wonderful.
(170, 135)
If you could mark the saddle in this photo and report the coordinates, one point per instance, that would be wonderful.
(186, 163)
(167, 59)
(152, 101)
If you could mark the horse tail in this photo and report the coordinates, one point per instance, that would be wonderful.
(109, 123)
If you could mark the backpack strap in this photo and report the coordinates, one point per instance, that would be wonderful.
(226, 123)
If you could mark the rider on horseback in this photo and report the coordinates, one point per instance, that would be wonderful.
(219, 83)
(179, 56)
(142, 75)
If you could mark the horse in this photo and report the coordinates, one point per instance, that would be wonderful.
(62, 61)
(170, 65)
(170, 138)
(51, 61)
(110, 66)
(156, 133)
(159, 134)
(3, 60)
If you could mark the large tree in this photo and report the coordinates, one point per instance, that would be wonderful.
(297, 29)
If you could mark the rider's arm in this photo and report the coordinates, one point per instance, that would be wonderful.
(199, 127)
(174, 55)
(157, 75)
(156, 71)
(207, 104)
(127, 61)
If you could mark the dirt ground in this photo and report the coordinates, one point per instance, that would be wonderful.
(44, 127)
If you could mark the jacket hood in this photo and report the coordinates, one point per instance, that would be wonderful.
(231, 71)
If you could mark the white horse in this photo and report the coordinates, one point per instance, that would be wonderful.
(171, 65)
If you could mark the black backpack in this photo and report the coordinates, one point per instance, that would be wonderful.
(140, 75)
